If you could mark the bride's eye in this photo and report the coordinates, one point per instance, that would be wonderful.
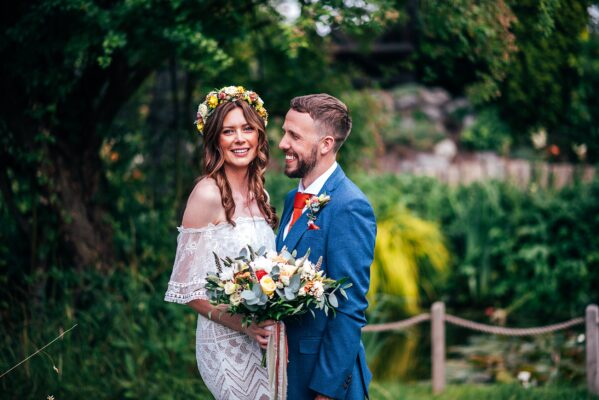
(228, 131)
(248, 128)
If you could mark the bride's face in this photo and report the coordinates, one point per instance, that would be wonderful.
(238, 140)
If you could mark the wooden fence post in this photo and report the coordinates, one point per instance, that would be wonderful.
(438, 346)
(592, 347)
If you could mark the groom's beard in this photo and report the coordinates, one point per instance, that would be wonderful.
(304, 166)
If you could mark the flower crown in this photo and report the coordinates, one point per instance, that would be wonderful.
(224, 95)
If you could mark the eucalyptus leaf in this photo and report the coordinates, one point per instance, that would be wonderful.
(333, 300)
(289, 294)
(295, 282)
(343, 293)
(247, 295)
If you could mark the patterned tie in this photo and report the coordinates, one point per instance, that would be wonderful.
(298, 206)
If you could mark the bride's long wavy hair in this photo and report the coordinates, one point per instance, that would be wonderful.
(214, 161)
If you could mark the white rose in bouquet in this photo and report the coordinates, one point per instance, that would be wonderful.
(235, 299)
(230, 288)
(262, 263)
(227, 274)
(318, 289)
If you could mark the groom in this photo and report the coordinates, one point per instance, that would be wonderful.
(326, 355)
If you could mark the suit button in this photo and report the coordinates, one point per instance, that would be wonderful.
(345, 386)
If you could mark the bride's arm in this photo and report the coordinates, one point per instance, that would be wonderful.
(216, 314)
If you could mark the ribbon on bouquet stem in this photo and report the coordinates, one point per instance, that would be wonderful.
(276, 361)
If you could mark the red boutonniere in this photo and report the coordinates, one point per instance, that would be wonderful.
(315, 204)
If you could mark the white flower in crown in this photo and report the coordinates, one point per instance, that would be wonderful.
(225, 95)
(231, 90)
(203, 110)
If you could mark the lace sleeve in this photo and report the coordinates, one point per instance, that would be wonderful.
(194, 259)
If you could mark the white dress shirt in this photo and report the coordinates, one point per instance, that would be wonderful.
(313, 189)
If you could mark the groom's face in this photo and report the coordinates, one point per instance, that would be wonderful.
(300, 144)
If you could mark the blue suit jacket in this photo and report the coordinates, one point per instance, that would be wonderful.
(326, 354)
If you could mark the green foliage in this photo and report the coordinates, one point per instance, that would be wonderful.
(369, 123)
(405, 245)
(558, 358)
(489, 132)
(582, 115)
(534, 61)
(507, 244)
(392, 390)
(88, 79)
(466, 44)
(538, 88)
(128, 344)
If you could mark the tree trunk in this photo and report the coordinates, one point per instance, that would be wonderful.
(83, 224)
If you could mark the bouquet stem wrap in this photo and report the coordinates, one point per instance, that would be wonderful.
(276, 361)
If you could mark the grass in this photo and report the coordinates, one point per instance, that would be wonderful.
(421, 391)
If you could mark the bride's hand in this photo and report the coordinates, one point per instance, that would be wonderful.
(259, 332)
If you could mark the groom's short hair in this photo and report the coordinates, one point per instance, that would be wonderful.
(329, 113)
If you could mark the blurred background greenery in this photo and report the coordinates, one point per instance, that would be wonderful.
(98, 154)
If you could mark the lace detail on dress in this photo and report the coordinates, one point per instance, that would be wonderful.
(228, 361)
(195, 253)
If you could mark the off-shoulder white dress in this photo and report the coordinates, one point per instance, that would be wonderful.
(229, 361)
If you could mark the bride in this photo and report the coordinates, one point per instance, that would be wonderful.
(227, 210)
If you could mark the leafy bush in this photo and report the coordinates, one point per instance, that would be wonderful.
(128, 343)
(393, 390)
(511, 248)
(489, 132)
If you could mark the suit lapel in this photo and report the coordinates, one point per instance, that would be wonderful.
(287, 211)
(301, 225)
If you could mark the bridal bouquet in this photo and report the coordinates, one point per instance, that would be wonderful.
(261, 285)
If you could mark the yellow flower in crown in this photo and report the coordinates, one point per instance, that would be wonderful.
(261, 111)
(213, 101)
(225, 95)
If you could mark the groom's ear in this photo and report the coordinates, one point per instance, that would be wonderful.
(327, 145)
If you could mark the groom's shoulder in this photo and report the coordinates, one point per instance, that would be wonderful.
(290, 193)
(351, 191)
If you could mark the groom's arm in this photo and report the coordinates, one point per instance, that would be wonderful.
(349, 253)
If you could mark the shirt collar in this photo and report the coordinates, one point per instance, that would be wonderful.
(317, 185)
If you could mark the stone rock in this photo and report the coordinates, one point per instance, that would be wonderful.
(405, 102)
(387, 99)
(468, 121)
(432, 112)
(446, 148)
(434, 97)
(456, 104)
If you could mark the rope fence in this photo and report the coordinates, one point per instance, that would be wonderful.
(438, 318)
(500, 330)
(398, 325)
